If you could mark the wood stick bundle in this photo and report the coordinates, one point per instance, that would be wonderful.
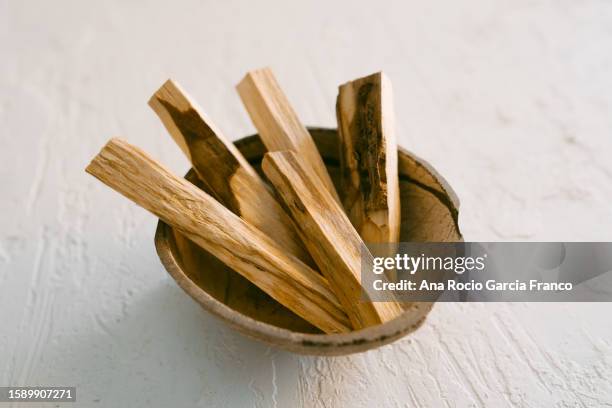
(278, 243)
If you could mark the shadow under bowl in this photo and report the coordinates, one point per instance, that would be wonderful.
(429, 214)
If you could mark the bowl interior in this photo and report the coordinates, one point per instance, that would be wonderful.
(429, 214)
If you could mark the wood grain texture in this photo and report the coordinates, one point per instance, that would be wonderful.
(206, 222)
(368, 157)
(329, 236)
(222, 168)
(278, 124)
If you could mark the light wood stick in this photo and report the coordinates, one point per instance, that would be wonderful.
(210, 225)
(368, 157)
(277, 123)
(329, 236)
(224, 171)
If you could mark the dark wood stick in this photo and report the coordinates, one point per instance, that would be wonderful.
(224, 171)
(368, 156)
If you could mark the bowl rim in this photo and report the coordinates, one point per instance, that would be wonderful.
(308, 343)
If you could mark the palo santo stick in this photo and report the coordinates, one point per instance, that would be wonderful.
(277, 123)
(329, 236)
(210, 225)
(368, 157)
(222, 168)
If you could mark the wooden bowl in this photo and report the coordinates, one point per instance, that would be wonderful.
(429, 214)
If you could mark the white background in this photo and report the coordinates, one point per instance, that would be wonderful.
(510, 100)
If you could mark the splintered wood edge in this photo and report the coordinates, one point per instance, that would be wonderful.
(305, 343)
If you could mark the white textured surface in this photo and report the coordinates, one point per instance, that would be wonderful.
(510, 100)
